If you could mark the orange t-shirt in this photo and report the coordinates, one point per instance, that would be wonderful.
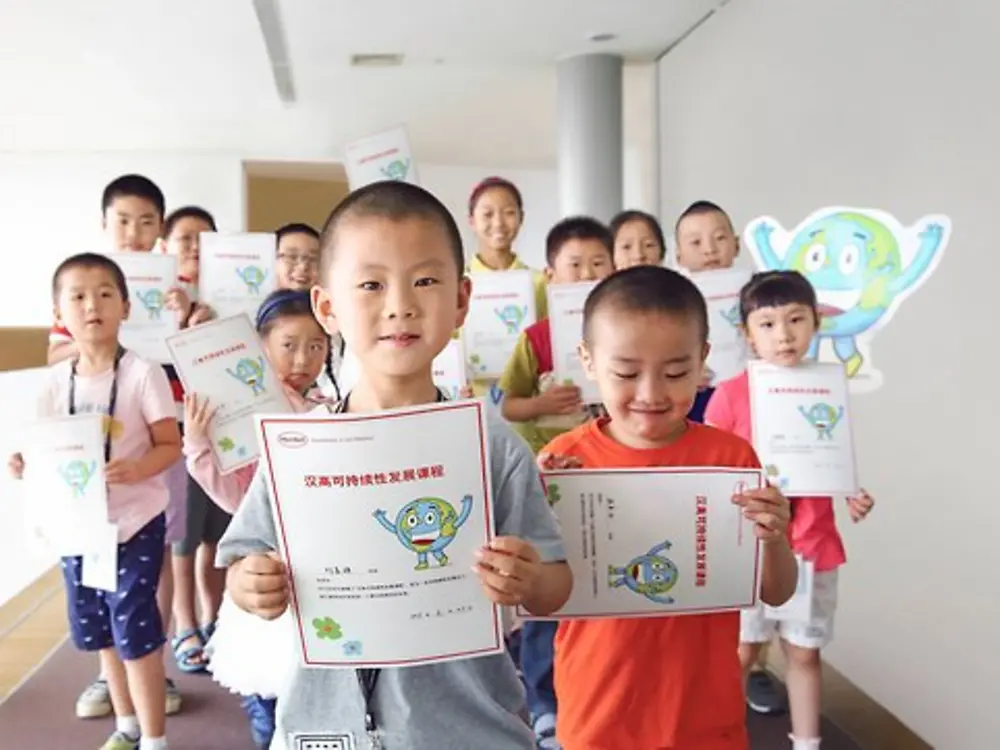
(656, 683)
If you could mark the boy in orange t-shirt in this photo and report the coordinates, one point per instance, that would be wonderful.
(658, 683)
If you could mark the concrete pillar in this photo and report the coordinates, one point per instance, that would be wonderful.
(590, 135)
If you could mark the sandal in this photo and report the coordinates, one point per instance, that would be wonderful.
(192, 658)
(207, 631)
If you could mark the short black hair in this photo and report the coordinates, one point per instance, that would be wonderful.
(294, 228)
(133, 186)
(701, 207)
(495, 182)
(650, 221)
(187, 212)
(90, 261)
(576, 228)
(394, 200)
(775, 289)
(647, 289)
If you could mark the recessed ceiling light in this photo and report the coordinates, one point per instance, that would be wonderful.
(376, 60)
(604, 37)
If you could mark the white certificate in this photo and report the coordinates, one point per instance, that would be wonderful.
(149, 277)
(566, 332)
(649, 542)
(801, 428)
(65, 491)
(379, 530)
(236, 271)
(449, 370)
(721, 290)
(383, 156)
(502, 305)
(100, 560)
(223, 361)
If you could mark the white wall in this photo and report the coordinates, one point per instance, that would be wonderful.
(783, 106)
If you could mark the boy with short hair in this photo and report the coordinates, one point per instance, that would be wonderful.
(645, 340)
(577, 249)
(392, 279)
(298, 257)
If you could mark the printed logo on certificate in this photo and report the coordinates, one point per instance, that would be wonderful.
(236, 271)
(501, 307)
(383, 156)
(721, 289)
(802, 429)
(149, 277)
(224, 362)
(379, 527)
(652, 542)
(566, 332)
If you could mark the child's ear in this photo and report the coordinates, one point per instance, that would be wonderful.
(587, 360)
(464, 297)
(737, 240)
(549, 273)
(128, 309)
(322, 307)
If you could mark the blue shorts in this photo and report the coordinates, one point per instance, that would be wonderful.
(128, 619)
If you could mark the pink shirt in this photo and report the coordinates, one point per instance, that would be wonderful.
(813, 528)
(144, 398)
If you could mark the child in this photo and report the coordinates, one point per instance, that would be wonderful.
(638, 240)
(779, 316)
(391, 279)
(577, 249)
(195, 574)
(659, 682)
(297, 348)
(132, 209)
(141, 441)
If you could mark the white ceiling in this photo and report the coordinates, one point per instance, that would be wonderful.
(477, 85)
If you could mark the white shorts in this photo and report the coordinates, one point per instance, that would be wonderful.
(816, 633)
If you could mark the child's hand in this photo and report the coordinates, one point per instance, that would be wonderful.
(860, 506)
(508, 569)
(259, 585)
(177, 300)
(465, 392)
(121, 471)
(15, 465)
(559, 400)
(200, 314)
(197, 416)
(552, 462)
(768, 509)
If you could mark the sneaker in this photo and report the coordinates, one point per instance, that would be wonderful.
(545, 732)
(95, 701)
(120, 741)
(173, 698)
(764, 696)
(260, 712)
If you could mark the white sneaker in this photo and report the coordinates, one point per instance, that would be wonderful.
(95, 701)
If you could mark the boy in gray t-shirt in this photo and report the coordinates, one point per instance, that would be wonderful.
(392, 284)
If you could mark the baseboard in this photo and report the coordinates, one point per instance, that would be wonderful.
(871, 725)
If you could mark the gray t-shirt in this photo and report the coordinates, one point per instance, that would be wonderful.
(450, 706)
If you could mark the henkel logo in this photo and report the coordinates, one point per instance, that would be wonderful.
(292, 440)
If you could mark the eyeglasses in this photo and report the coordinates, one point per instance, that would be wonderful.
(309, 261)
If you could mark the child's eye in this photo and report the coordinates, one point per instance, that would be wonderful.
(678, 375)
(625, 375)
(426, 281)
(370, 286)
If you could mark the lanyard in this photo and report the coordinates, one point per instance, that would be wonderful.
(368, 678)
(112, 398)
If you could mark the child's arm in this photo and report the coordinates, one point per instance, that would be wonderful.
(226, 490)
(860, 506)
(770, 512)
(164, 452)
(519, 384)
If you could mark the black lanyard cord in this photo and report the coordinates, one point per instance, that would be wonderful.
(112, 397)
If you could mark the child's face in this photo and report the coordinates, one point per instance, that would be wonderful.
(298, 262)
(298, 349)
(496, 218)
(132, 224)
(90, 305)
(580, 260)
(394, 293)
(636, 245)
(648, 367)
(781, 335)
(184, 242)
(706, 242)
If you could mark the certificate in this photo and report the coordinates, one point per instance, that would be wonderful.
(149, 277)
(64, 482)
(652, 542)
(383, 156)
(801, 428)
(237, 271)
(566, 332)
(502, 305)
(223, 361)
(379, 518)
(449, 370)
(721, 290)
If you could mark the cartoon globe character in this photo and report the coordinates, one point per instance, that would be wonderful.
(427, 526)
(650, 575)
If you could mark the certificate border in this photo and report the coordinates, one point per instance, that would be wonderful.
(758, 365)
(172, 282)
(266, 423)
(508, 276)
(667, 611)
(564, 290)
